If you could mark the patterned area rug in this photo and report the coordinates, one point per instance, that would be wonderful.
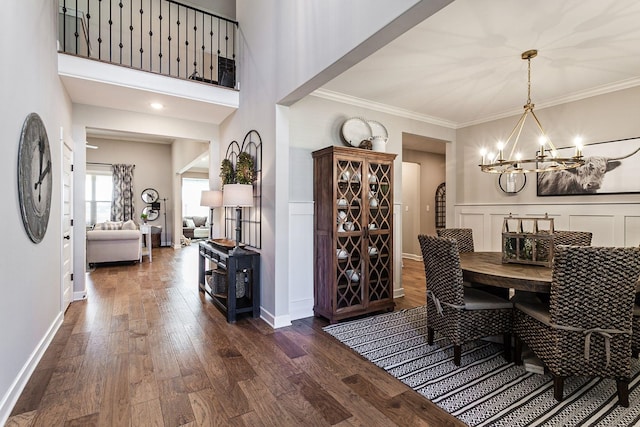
(485, 389)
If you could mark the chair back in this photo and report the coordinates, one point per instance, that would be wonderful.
(572, 238)
(594, 287)
(442, 268)
(463, 236)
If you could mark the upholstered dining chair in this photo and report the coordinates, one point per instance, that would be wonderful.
(586, 328)
(459, 313)
(464, 237)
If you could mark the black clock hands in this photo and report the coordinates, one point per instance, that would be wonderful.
(42, 175)
(44, 172)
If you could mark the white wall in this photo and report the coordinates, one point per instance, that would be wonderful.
(314, 124)
(30, 308)
(614, 219)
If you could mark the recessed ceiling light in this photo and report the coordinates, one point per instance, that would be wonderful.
(157, 106)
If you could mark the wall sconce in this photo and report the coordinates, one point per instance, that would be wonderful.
(238, 196)
(212, 199)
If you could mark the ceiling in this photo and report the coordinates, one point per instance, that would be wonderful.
(463, 65)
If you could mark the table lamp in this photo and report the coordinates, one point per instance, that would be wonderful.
(238, 196)
(212, 199)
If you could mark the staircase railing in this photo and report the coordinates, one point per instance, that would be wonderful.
(160, 36)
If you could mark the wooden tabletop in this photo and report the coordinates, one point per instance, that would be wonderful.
(487, 268)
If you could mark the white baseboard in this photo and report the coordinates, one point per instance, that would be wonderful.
(273, 321)
(11, 397)
(301, 309)
(79, 295)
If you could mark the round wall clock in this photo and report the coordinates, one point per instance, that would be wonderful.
(149, 195)
(34, 177)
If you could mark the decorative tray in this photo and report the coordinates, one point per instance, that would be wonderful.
(225, 243)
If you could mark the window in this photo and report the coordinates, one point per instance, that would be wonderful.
(98, 191)
(191, 191)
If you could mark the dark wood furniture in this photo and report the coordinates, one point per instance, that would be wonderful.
(487, 268)
(215, 259)
(353, 232)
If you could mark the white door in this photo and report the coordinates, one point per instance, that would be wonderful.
(411, 209)
(67, 229)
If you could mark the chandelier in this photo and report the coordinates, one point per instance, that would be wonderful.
(546, 157)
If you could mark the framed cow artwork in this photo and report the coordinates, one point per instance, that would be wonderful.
(610, 167)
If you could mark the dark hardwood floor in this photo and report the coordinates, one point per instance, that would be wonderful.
(147, 349)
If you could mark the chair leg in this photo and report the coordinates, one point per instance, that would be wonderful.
(517, 357)
(457, 354)
(430, 335)
(558, 387)
(506, 338)
(623, 392)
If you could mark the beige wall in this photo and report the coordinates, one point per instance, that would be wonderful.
(613, 219)
(432, 174)
(153, 170)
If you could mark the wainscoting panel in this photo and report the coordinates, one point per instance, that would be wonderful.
(475, 222)
(612, 224)
(300, 260)
(632, 230)
(602, 227)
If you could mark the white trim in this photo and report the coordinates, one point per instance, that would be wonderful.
(80, 295)
(376, 106)
(275, 322)
(11, 397)
(401, 112)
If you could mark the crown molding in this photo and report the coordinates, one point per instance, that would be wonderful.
(376, 106)
(384, 108)
(576, 96)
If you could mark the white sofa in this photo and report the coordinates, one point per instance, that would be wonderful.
(113, 242)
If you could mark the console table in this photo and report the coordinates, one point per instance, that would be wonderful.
(244, 268)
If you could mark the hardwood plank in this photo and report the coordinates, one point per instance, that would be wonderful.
(33, 392)
(147, 414)
(24, 419)
(174, 401)
(328, 407)
(151, 350)
(115, 408)
(90, 420)
(207, 408)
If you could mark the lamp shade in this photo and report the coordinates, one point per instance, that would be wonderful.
(237, 195)
(211, 198)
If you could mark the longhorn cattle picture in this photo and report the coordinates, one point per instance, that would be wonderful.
(611, 167)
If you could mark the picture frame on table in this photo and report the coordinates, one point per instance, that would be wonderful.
(611, 167)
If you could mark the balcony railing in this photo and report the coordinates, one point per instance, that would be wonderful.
(161, 36)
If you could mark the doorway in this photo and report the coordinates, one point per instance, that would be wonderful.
(425, 162)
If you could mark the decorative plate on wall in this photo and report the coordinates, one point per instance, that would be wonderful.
(152, 214)
(35, 180)
(149, 195)
(355, 130)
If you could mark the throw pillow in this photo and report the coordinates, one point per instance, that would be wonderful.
(109, 225)
(190, 223)
(200, 221)
(129, 225)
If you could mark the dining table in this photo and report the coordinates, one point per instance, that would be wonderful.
(487, 268)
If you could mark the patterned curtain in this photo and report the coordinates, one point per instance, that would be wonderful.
(122, 208)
